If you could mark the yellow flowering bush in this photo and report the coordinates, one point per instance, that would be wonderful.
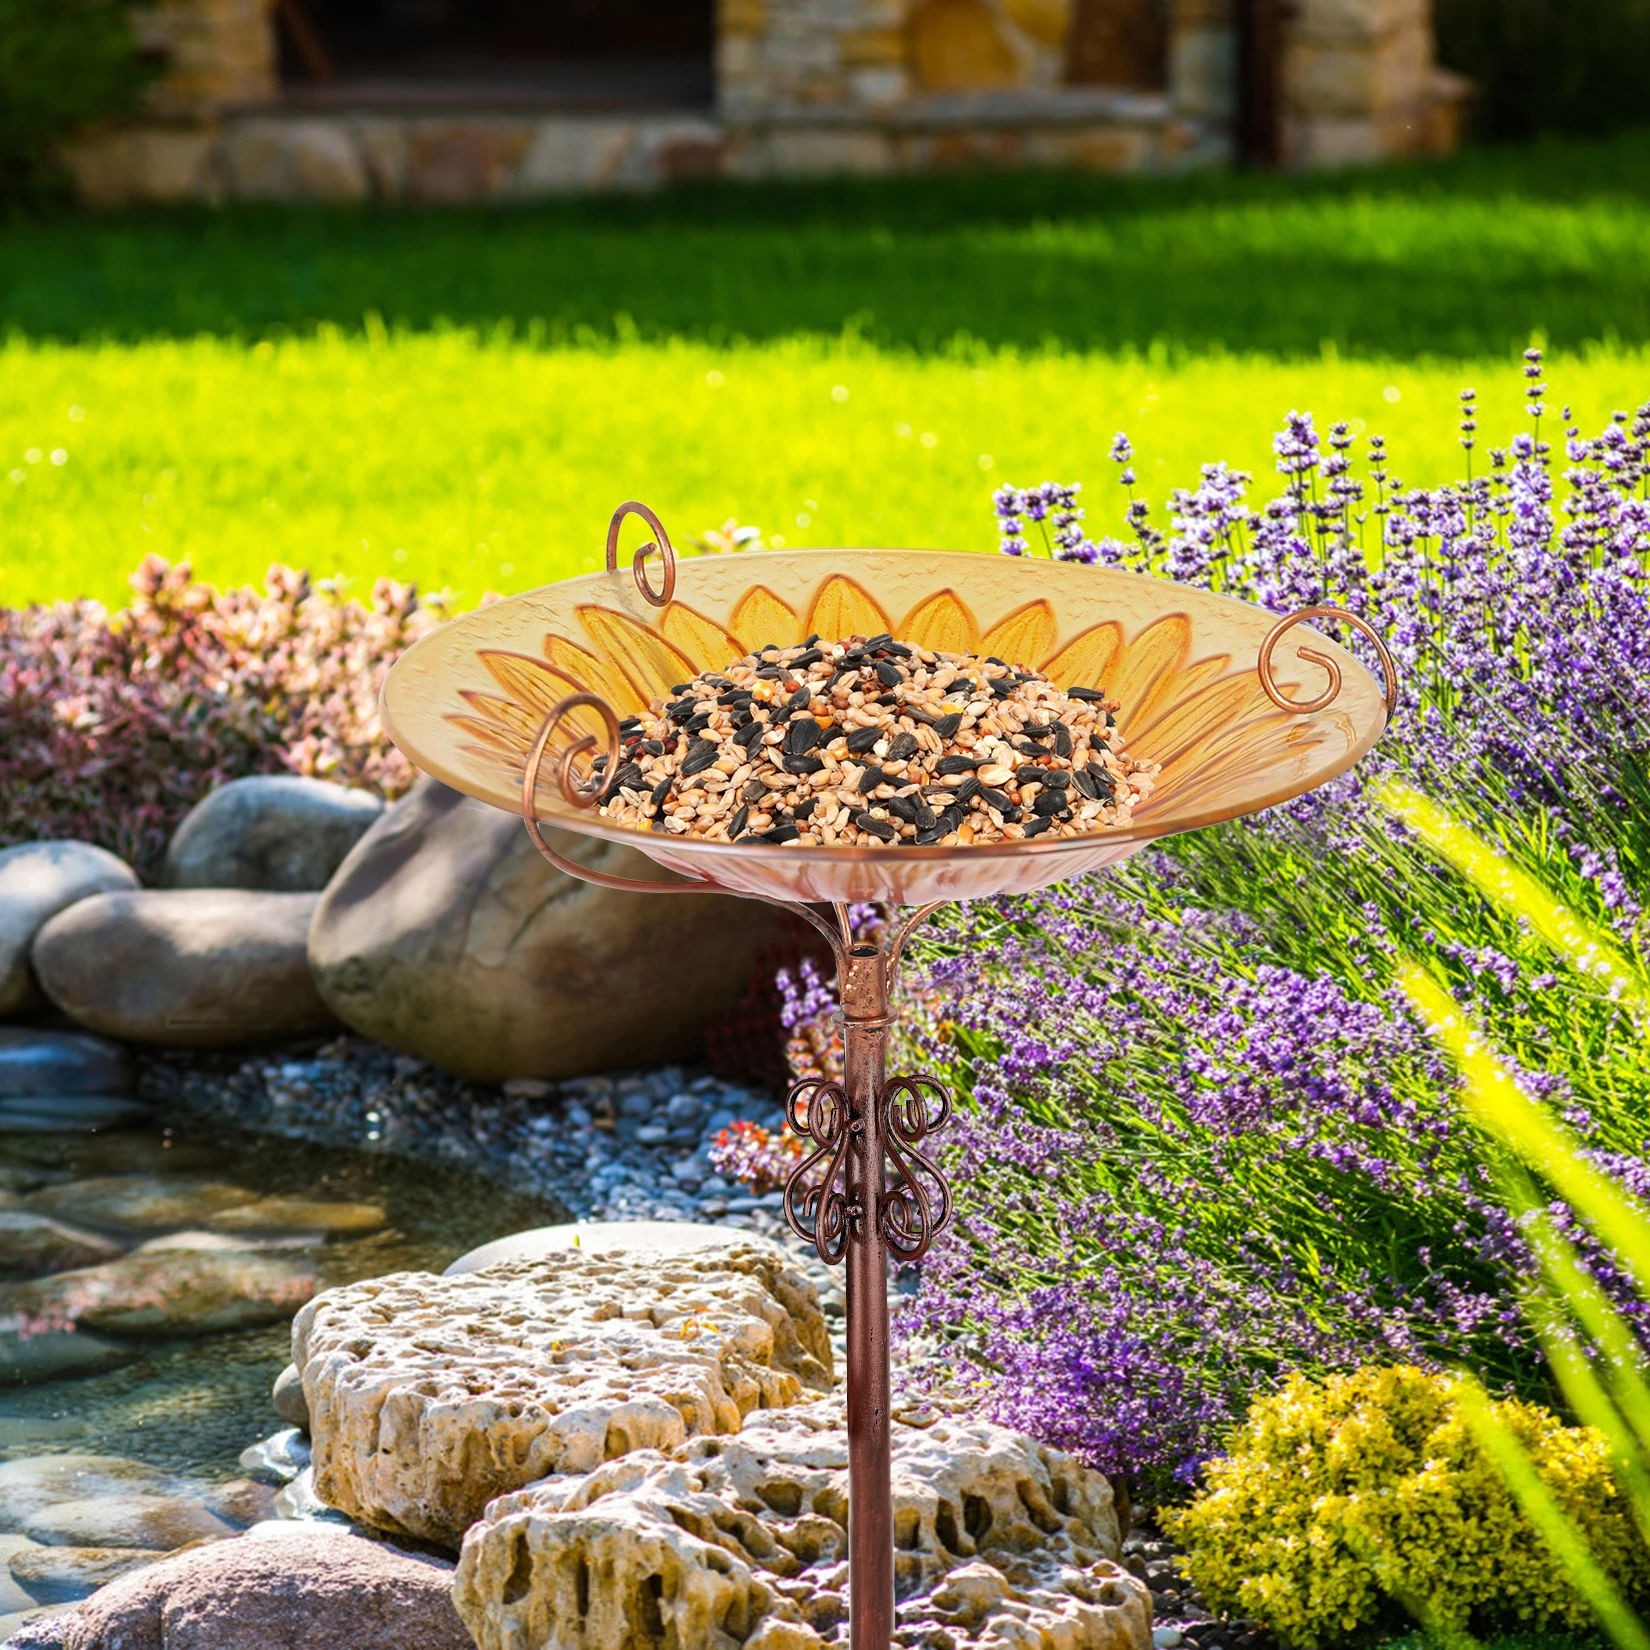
(1338, 1496)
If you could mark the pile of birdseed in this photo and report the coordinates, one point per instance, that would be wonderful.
(872, 741)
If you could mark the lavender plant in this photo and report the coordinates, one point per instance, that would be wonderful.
(1203, 1142)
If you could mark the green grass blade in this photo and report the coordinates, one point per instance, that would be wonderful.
(1551, 1522)
(1585, 946)
(1500, 1106)
(1603, 1325)
(1593, 1407)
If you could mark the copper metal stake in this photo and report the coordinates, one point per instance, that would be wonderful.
(865, 1021)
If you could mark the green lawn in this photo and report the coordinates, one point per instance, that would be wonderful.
(461, 398)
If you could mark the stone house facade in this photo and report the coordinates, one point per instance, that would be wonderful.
(792, 87)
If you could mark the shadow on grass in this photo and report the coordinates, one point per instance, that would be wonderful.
(1457, 258)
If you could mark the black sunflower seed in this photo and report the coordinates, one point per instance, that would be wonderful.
(862, 739)
(697, 724)
(925, 817)
(739, 696)
(1044, 732)
(1088, 696)
(629, 775)
(1012, 816)
(630, 724)
(1026, 748)
(805, 808)
(925, 839)
(802, 735)
(781, 833)
(803, 660)
(947, 726)
(1036, 827)
(1062, 739)
(901, 746)
(1055, 778)
(967, 791)
(754, 791)
(1001, 686)
(995, 799)
(679, 688)
(737, 823)
(951, 819)
(992, 659)
(770, 673)
(1049, 803)
(903, 807)
(659, 792)
(1105, 786)
(799, 699)
(877, 827)
(1031, 776)
(898, 649)
(749, 734)
(889, 675)
(679, 710)
(803, 764)
(870, 779)
(653, 747)
(921, 717)
(872, 643)
(956, 764)
(701, 753)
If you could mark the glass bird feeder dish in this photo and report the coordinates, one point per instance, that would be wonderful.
(1239, 710)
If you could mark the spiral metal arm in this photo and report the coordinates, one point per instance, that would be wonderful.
(1304, 707)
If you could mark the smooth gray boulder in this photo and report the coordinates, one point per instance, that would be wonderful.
(36, 1064)
(320, 1588)
(37, 880)
(192, 966)
(277, 834)
(446, 934)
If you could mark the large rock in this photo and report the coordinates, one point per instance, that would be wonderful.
(429, 1396)
(34, 1482)
(193, 966)
(32, 1244)
(168, 1291)
(740, 1542)
(37, 881)
(47, 1063)
(447, 935)
(156, 1523)
(318, 1589)
(280, 834)
(140, 1202)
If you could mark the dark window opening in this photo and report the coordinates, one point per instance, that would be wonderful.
(574, 54)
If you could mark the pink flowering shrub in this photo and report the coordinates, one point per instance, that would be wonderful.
(113, 725)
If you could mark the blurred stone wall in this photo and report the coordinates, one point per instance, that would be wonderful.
(803, 87)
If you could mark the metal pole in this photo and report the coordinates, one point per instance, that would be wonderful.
(865, 1022)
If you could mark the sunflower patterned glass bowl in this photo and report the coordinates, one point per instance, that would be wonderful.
(467, 702)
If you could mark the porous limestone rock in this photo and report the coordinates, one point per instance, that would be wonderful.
(276, 832)
(731, 1543)
(429, 1396)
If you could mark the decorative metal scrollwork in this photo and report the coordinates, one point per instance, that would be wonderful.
(659, 545)
(917, 1205)
(816, 1204)
(1304, 707)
